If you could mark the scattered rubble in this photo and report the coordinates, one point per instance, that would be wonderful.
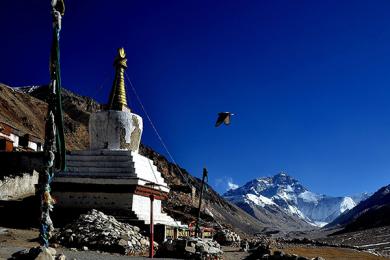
(38, 253)
(370, 240)
(311, 242)
(265, 252)
(265, 248)
(227, 237)
(98, 231)
(191, 248)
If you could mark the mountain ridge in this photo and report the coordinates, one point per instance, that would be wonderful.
(370, 213)
(281, 191)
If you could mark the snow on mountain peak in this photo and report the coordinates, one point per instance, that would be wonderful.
(347, 204)
(284, 191)
(259, 200)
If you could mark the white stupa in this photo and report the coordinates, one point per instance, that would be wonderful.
(112, 176)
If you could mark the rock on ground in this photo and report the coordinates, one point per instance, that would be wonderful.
(38, 253)
(191, 248)
(227, 237)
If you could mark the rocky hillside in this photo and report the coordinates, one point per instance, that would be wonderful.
(77, 110)
(22, 111)
(370, 213)
(25, 109)
(283, 194)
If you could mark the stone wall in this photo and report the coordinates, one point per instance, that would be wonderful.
(19, 186)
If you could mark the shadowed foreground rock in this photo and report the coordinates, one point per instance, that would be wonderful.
(38, 253)
(98, 231)
(227, 237)
(263, 250)
(191, 248)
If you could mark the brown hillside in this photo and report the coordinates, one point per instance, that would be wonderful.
(22, 111)
(25, 108)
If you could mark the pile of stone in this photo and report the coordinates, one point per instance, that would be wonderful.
(227, 237)
(261, 241)
(191, 248)
(98, 231)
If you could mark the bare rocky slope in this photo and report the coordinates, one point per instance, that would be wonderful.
(22, 111)
(77, 110)
(25, 109)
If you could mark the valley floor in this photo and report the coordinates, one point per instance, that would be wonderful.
(332, 253)
(374, 239)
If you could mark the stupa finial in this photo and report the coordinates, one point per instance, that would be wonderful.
(118, 99)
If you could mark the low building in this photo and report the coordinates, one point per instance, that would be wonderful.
(12, 139)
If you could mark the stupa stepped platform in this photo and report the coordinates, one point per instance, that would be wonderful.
(161, 218)
(141, 208)
(98, 166)
(113, 181)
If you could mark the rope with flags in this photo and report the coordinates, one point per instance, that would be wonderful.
(54, 136)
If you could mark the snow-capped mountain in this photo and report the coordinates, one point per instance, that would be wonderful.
(372, 212)
(284, 192)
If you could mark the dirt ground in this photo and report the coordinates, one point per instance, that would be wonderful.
(332, 253)
(18, 237)
(233, 253)
(12, 240)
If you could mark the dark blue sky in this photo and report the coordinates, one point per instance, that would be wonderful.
(309, 80)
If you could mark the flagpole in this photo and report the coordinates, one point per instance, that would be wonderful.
(54, 148)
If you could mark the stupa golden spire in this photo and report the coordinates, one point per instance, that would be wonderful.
(118, 99)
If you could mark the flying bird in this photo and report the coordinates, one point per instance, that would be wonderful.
(223, 117)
